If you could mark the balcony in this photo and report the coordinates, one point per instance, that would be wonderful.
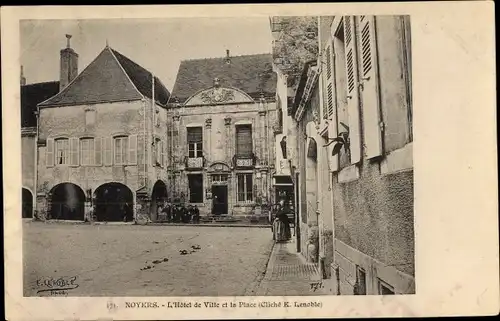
(194, 163)
(244, 161)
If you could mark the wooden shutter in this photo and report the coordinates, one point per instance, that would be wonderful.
(73, 151)
(330, 81)
(352, 89)
(244, 140)
(98, 151)
(132, 149)
(49, 153)
(108, 151)
(372, 131)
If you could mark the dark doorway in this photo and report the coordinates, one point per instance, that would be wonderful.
(27, 210)
(67, 202)
(219, 200)
(158, 198)
(114, 202)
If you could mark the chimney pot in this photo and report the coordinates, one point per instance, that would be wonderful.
(68, 37)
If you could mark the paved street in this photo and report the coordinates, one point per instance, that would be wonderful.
(113, 260)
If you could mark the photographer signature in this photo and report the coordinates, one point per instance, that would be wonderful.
(56, 286)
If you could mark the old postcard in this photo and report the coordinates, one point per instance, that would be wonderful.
(250, 161)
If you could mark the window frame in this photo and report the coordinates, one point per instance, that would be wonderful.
(91, 151)
(66, 152)
(124, 150)
(246, 191)
(237, 151)
(195, 147)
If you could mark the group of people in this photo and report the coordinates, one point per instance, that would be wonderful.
(281, 224)
(179, 213)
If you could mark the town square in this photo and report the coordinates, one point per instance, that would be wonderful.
(217, 157)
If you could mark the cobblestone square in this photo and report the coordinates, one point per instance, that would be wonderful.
(131, 260)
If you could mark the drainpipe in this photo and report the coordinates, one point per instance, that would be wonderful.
(35, 180)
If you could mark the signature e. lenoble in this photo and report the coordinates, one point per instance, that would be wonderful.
(47, 284)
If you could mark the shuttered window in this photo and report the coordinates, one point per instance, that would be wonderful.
(244, 140)
(245, 188)
(62, 151)
(195, 141)
(132, 149)
(120, 150)
(87, 151)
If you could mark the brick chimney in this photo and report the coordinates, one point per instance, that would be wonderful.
(69, 65)
(23, 79)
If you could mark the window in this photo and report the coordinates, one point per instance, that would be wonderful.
(195, 188)
(245, 188)
(360, 287)
(62, 151)
(120, 149)
(244, 140)
(195, 141)
(219, 178)
(384, 288)
(87, 151)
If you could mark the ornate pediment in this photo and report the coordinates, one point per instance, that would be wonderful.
(218, 95)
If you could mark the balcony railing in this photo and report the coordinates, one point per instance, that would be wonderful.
(244, 161)
(194, 162)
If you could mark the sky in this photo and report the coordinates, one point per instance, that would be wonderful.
(158, 45)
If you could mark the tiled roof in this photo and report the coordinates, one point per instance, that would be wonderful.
(142, 79)
(110, 77)
(252, 74)
(32, 95)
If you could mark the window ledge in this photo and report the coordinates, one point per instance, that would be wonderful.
(398, 160)
(348, 174)
(244, 204)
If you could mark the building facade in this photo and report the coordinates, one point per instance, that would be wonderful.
(222, 117)
(31, 95)
(102, 141)
(353, 120)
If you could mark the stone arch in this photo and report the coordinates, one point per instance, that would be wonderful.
(27, 203)
(67, 202)
(158, 196)
(114, 202)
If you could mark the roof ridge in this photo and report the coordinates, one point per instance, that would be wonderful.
(112, 51)
(224, 57)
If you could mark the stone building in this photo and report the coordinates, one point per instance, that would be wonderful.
(102, 141)
(31, 95)
(356, 203)
(223, 118)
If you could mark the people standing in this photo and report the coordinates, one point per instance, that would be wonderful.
(196, 214)
(281, 225)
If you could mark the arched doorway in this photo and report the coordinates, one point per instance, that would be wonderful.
(27, 200)
(67, 202)
(114, 202)
(158, 197)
